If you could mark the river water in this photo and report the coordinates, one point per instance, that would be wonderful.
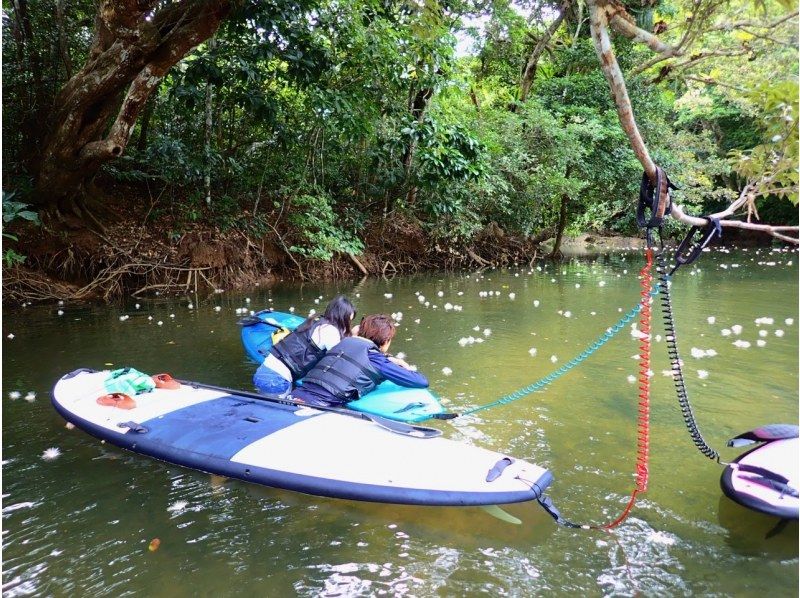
(81, 524)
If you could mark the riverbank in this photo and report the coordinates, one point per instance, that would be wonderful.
(137, 250)
(134, 252)
(130, 259)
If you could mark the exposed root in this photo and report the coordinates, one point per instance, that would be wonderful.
(21, 285)
(111, 264)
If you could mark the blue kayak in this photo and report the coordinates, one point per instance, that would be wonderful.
(388, 400)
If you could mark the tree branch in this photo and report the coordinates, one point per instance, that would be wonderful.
(775, 231)
(670, 71)
(760, 25)
(529, 73)
(777, 42)
(710, 81)
(652, 62)
(695, 58)
(608, 62)
(625, 27)
(598, 22)
(357, 264)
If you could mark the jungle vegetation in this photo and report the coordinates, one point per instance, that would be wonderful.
(328, 128)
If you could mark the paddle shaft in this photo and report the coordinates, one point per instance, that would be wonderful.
(389, 424)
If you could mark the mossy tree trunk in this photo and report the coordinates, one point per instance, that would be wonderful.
(135, 43)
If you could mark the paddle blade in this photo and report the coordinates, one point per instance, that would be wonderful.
(249, 321)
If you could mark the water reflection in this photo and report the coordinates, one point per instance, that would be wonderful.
(754, 534)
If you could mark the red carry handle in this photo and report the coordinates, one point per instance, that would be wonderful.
(166, 381)
(117, 399)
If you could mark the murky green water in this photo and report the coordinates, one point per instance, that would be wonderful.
(81, 524)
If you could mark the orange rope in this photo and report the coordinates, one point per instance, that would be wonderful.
(643, 418)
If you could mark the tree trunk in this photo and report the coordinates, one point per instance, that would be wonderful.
(209, 124)
(529, 73)
(28, 54)
(417, 107)
(63, 44)
(132, 49)
(31, 51)
(474, 98)
(562, 219)
(562, 224)
(144, 130)
(579, 24)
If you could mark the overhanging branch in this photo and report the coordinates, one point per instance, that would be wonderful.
(599, 22)
(529, 73)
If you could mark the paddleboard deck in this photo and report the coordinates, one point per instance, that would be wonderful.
(388, 400)
(224, 432)
(765, 478)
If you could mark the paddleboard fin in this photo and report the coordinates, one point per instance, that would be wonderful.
(500, 514)
(779, 527)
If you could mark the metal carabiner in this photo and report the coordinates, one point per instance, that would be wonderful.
(687, 253)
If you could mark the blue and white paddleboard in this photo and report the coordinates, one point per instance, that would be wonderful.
(295, 447)
(388, 400)
(766, 478)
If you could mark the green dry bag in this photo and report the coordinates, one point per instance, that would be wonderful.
(129, 381)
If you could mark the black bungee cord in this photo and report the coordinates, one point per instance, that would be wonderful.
(664, 279)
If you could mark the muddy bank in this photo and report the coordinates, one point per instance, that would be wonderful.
(129, 258)
(90, 266)
(591, 244)
(136, 257)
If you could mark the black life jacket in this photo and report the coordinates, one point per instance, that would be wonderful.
(346, 371)
(298, 352)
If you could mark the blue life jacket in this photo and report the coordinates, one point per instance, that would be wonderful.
(298, 352)
(346, 371)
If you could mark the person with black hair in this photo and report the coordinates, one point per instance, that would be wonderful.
(295, 354)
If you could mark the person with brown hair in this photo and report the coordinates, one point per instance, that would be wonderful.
(356, 366)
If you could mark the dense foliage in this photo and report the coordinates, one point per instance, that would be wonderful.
(311, 121)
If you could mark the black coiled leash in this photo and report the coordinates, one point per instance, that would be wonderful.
(688, 251)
